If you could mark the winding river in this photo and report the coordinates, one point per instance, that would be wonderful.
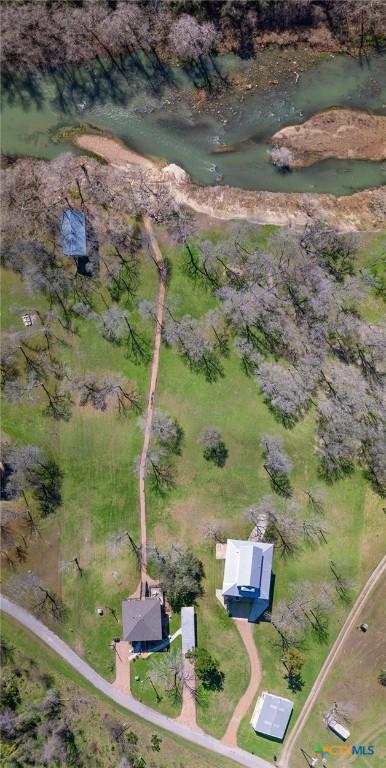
(152, 115)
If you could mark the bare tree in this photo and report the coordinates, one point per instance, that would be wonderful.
(195, 348)
(214, 532)
(166, 431)
(180, 573)
(282, 157)
(160, 470)
(107, 391)
(29, 590)
(116, 326)
(190, 39)
(215, 449)
(168, 671)
(277, 464)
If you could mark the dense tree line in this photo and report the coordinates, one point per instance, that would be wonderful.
(294, 311)
(40, 36)
(43, 725)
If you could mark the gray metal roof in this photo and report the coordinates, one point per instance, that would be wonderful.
(188, 629)
(271, 715)
(142, 620)
(74, 233)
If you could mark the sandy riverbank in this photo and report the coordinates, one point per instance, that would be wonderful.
(343, 134)
(112, 150)
(362, 210)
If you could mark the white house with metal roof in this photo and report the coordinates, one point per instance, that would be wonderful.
(247, 578)
(271, 715)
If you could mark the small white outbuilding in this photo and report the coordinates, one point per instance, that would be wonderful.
(271, 715)
(339, 729)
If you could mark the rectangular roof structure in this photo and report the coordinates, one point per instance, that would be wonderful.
(271, 715)
(188, 629)
(249, 567)
(247, 574)
(142, 620)
(74, 233)
(339, 729)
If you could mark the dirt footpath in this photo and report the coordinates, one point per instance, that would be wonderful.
(246, 632)
(340, 133)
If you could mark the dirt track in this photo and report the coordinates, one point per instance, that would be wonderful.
(246, 632)
(153, 384)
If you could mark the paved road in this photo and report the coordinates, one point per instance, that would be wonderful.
(153, 384)
(246, 632)
(352, 620)
(132, 705)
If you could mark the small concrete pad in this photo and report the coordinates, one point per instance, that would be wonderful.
(221, 550)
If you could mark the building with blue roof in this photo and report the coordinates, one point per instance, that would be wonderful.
(74, 233)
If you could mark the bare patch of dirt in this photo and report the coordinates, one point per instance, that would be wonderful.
(111, 150)
(362, 210)
(340, 133)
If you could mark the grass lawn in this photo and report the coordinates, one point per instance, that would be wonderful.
(97, 454)
(96, 451)
(353, 684)
(358, 547)
(203, 492)
(143, 690)
(90, 712)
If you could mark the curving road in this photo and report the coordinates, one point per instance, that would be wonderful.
(349, 624)
(132, 705)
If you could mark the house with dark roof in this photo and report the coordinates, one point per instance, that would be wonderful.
(74, 234)
(247, 578)
(271, 715)
(142, 622)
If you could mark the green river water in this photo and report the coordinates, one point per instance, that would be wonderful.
(135, 104)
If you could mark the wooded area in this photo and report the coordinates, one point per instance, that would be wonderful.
(72, 33)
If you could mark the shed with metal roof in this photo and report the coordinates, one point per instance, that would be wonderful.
(74, 233)
(271, 715)
(188, 629)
